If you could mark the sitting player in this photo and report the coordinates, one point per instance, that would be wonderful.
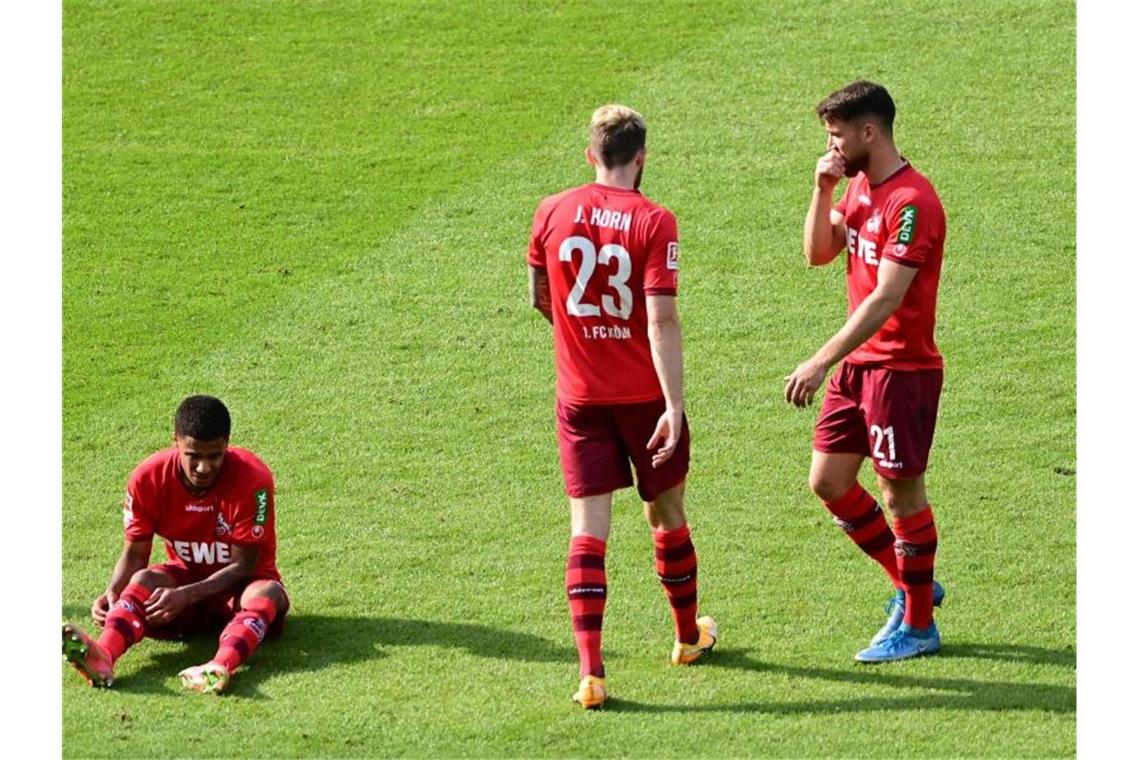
(212, 504)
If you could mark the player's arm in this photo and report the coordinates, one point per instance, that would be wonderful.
(865, 321)
(824, 233)
(540, 292)
(134, 557)
(665, 347)
(166, 603)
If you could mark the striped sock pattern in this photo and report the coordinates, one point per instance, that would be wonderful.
(242, 635)
(586, 592)
(915, 549)
(859, 516)
(677, 570)
(126, 621)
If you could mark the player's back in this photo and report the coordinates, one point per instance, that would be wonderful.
(604, 249)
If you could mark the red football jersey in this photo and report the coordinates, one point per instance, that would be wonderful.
(604, 249)
(199, 530)
(900, 219)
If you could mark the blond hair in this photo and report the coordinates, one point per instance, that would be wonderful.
(617, 133)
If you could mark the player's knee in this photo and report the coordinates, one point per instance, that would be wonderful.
(827, 487)
(147, 578)
(902, 499)
(274, 592)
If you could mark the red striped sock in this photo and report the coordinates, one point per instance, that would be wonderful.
(241, 635)
(586, 590)
(126, 621)
(677, 569)
(857, 514)
(916, 545)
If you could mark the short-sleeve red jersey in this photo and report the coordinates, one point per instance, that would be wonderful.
(900, 219)
(199, 531)
(604, 249)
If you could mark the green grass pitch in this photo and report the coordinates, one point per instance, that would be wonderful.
(318, 212)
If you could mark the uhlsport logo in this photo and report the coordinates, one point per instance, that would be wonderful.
(261, 497)
(908, 217)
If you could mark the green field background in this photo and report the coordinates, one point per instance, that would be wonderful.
(318, 212)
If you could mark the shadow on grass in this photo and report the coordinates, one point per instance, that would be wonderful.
(313, 642)
(949, 693)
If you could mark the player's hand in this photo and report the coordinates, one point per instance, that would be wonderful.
(101, 606)
(164, 605)
(829, 170)
(667, 433)
(804, 382)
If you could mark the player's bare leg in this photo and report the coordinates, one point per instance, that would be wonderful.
(832, 475)
(124, 626)
(586, 591)
(916, 543)
(262, 602)
(676, 563)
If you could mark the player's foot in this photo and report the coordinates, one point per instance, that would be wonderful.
(591, 692)
(210, 678)
(904, 643)
(896, 609)
(683, 654)
(88, 657)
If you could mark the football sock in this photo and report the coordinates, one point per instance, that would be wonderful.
(917, 542)
(241, 635)
(677, 570)
(126, 621)
(586, 591)
(859, 516)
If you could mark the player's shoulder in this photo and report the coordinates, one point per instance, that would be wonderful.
(249, 467)
(655, 212)
(915, 187)
(551, 202)
(155, 468)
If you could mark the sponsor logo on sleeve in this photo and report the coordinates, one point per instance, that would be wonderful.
(673, 256)
(261, 498)
(908, 217)
(258, 531)
(900, 249)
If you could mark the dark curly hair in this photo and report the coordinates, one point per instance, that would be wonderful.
(203, 418)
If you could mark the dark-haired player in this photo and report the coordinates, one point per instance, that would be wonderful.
(883, 400)
(213, 506)
(603, 269)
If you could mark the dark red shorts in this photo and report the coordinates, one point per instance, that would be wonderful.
(598, 443)
(210, 615)
(887, 415)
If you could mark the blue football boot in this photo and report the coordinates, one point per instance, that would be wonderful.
(896, 608)
(904, 643)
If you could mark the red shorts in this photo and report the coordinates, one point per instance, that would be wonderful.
(887, 415)
(597, 443)
(210, 615)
